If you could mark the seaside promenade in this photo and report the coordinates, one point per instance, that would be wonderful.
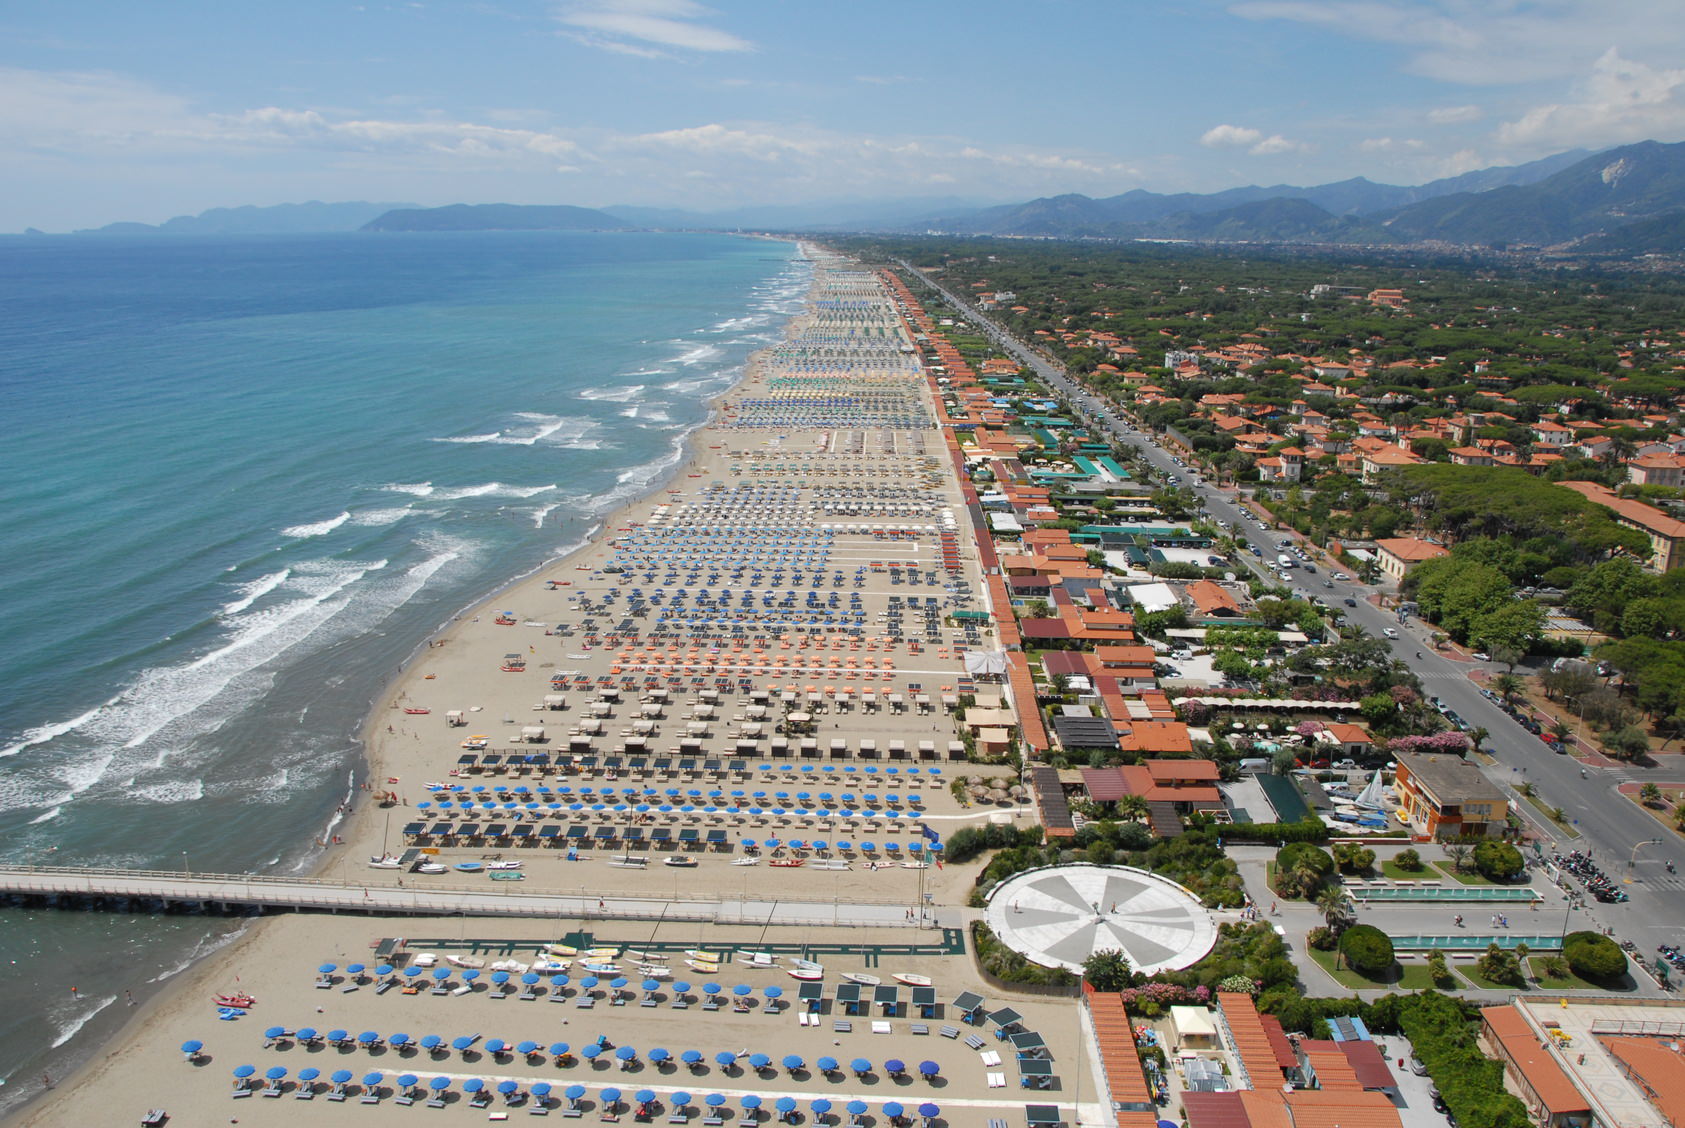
(730, 732)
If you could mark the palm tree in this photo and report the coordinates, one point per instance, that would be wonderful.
(1132, 807)
(1649, 794)
(1476, 735)
(1508, 685)
(1331, 902)
(1459, 853)
(1560, 730)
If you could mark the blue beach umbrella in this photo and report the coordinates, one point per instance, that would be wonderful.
(506, 1087)
(644, 1096)
(726, 1059)
(751, 1101)
(497, 1046)
(860, 1065)
(928, 1110)
(328, 968)
(340, 1076)
(471, 974)
(681, 988)
(244, 1071)
(558, 1048)
(274, 1031)
(541, 1089)
(408, 1080)
(306, 1033)
(431, 1042)
(338, 1035)
(439, 1084)
(820, 1106)
(691, 1057)
(895, 1065)
(714, 1100)
(651, 985)
(530, 978)
(354, 969)
(500, 977)
(527, 1047)
(591, 1052)
(411, 972)
(192, 1047)
(308, 1074)
(827, 1064)
(742, 989)
(473, 1085)
(773, 992)
(711, 989)
(370, 1080)
(659, 1055)
(399, 1040)
(574, 1092)
(461, 1043)
(626, 1053)
(893, 1108)
(611, 1097)
(793, 1062)
(759, 1061)
(441, 973)
(275, 1072)
(929, 1068)
(681, 1099)
(368, 1037)
(855, 1108)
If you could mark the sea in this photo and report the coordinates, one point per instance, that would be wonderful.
(241, 480)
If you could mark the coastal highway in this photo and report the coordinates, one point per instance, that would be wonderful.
(1610, 826)
(294, 893)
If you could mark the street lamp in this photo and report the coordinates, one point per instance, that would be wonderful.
(1633, 857)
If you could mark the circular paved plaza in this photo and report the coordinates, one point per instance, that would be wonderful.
(1061, 915)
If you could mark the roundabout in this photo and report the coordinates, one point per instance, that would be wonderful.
(1058, 916)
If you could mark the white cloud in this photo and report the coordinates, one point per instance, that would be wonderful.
(1619, 101)
(1230, 137)
(1491, 42)
(1252, 140)
(1455, 115)
(644, 27)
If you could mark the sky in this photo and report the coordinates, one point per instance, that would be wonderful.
(124, 111)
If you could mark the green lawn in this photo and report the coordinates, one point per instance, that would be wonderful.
(1471, 973)
(1346, 977)
(1564, 825)
(1414, 977)
(1390, 869)
(1467, 877)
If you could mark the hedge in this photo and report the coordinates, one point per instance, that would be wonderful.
(1442, 1034)
(1309, 830)
(1367, 948)
(1594, 955)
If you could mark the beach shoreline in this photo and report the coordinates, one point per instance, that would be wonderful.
(408, 741)
(356, 829)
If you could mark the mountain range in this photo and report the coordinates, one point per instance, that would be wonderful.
(1623, 201)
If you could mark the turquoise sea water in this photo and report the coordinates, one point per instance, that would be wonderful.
(243, 478)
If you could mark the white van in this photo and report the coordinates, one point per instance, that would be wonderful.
(1255, 764)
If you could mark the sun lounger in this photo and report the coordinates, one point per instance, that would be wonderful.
(949, 1032)
(920, 1028)
(882, 1028)
(974, 1041)
(154, 1118)
(990, 1059)
(842, 1026)
(997, 1080)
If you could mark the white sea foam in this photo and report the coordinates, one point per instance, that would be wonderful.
(41, 734)
(377, 518)
(619, 394)
(66, 1029)
(697, 354)
(48, 815)
(168, 791)
(319, 528)
(649, 372)
(200, 950)
(585, 444)
(543, 511)
(488, 438)
(165, 707)
(419, 489)
(493, 489)
(254, 590)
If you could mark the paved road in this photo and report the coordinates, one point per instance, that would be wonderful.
(1610, 825)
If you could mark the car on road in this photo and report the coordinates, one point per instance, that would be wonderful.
(1417, 1067)
(1481, 657)
(1349, 601)
(1389, 632)
(1341, 576)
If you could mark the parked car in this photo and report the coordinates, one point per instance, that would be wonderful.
(1349, 602)
(1389, 632)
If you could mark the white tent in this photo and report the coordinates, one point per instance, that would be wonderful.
(984, 663)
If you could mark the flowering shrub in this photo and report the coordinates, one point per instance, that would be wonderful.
(1454, 742)
(1238, 983)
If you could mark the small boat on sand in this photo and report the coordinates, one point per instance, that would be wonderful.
(654, 971)
(469, 867)
(747, 862)
(602, 953)
(417, 712)
(465, 961)
(239, 1001)
(807, 973)
(679, 860)
(705, 957)
(432, 867)
(509, 865)
(911, 979)
(546, 966)
(861, 978)
(787, 863)
(386, 861)
(561, 949)
(915, 865)
(706, 967)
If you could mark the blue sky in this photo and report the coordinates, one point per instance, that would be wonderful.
(143, 111)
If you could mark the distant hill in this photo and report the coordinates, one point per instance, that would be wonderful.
(1663, 235)
(832, 215)
(498, 217)
(278, 219)
(1606, 192)
(1140, 213)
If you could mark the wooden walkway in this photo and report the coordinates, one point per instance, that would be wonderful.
(110, 888)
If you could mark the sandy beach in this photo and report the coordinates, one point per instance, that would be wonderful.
(744, 689)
